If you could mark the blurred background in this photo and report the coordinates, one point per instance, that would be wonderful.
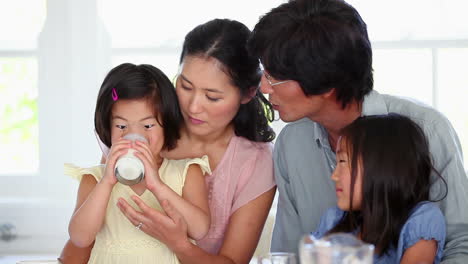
(54, 55)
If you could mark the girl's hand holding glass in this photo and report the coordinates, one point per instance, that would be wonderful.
(151, 163)
(117, 150)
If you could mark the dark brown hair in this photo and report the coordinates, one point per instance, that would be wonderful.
(396, 176)
(226, 41)
(134, 82)
(321, 44)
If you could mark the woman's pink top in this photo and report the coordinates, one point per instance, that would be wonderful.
(244, 173)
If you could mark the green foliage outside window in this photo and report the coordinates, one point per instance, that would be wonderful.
(18, 115)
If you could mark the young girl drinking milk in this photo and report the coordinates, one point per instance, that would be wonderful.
(137, 99)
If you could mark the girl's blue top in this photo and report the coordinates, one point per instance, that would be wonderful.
(426, 222)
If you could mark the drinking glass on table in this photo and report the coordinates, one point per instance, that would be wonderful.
(337, 248)
(277, 258)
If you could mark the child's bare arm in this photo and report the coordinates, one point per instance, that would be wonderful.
(90, 211)
(424, 251)
(196, 193)
(193, 204)
(93, 198)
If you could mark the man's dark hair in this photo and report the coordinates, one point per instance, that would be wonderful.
(321, 44)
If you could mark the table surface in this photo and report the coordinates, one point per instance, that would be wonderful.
(29, 259)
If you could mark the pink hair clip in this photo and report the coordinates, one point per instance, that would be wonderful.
(115, 97)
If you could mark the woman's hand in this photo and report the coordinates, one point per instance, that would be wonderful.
(152, 179)
(169, 228)
(240, 239)
(117, 150)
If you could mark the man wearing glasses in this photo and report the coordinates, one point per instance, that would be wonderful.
(317, 61)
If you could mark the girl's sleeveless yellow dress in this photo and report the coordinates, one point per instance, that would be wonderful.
(118, 241)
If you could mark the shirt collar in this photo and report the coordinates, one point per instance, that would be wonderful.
(374, 104)
(321, 135)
